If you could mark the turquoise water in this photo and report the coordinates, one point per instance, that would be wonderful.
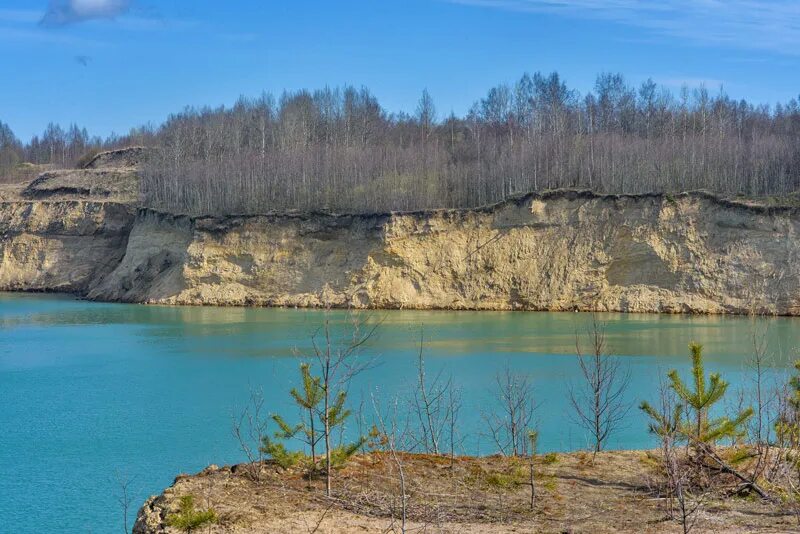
(91, 392)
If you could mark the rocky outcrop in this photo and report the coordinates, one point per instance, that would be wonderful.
(68, 229)
(61, 246)
(130, 157)
(108, 176)
(154, 263)
(562, 250)
(558, 251)
(152, 516)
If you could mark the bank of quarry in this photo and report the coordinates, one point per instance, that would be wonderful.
(614, 492)
(557, 250)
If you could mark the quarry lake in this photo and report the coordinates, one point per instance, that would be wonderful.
(93, 392)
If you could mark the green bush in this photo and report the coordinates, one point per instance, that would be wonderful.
(283, 457)
(505, 480)
(550, 458)
(188, 518)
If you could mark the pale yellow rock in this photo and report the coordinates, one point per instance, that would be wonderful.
(562, 250)
(64, 246)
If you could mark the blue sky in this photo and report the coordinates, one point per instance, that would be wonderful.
(113, 64)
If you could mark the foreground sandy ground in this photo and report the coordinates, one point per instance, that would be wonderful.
(615, 493)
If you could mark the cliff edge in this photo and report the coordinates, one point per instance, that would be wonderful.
(559, 250)
(563, 250)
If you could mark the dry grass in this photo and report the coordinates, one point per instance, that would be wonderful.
(22, 173)
(614, 493)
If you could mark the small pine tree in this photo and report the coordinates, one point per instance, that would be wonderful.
(788, 425)
(698, 429)
(699, 400)
(188, 518)
(309, 400)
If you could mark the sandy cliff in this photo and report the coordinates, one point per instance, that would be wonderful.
(558, 251)
(562, 250)
(66, 246)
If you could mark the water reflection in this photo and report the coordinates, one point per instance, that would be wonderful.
(258, 332)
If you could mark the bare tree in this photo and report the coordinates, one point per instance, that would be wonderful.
(429, 404)
(533, 439)
(124, 498)
(757, 362)
(454, 405)
(598, 398)
(763, 396)
(390, 435)
(508, 426)
(689, 502)
(249, 427)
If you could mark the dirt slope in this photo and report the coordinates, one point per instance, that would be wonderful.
(616, 493)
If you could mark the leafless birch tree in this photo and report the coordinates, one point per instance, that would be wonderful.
(391, 435)
(509, 423)
(598, 397)
(432, 406)
(124, 497)
(249, 427)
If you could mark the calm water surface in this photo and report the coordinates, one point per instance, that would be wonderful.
(89, 391)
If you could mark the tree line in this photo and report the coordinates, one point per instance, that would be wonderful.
(339, 149)
(60, 147)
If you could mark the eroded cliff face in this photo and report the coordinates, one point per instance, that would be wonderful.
(66, 246)
(557, 251)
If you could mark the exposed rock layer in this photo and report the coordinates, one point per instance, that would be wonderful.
(64, 246)
(556, 251)
(108, 176)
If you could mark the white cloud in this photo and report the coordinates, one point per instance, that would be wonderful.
(64, 12)
(765, 24)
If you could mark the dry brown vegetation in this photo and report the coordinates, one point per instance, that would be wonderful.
(617, 492)
(339, 149)
(22, 173)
